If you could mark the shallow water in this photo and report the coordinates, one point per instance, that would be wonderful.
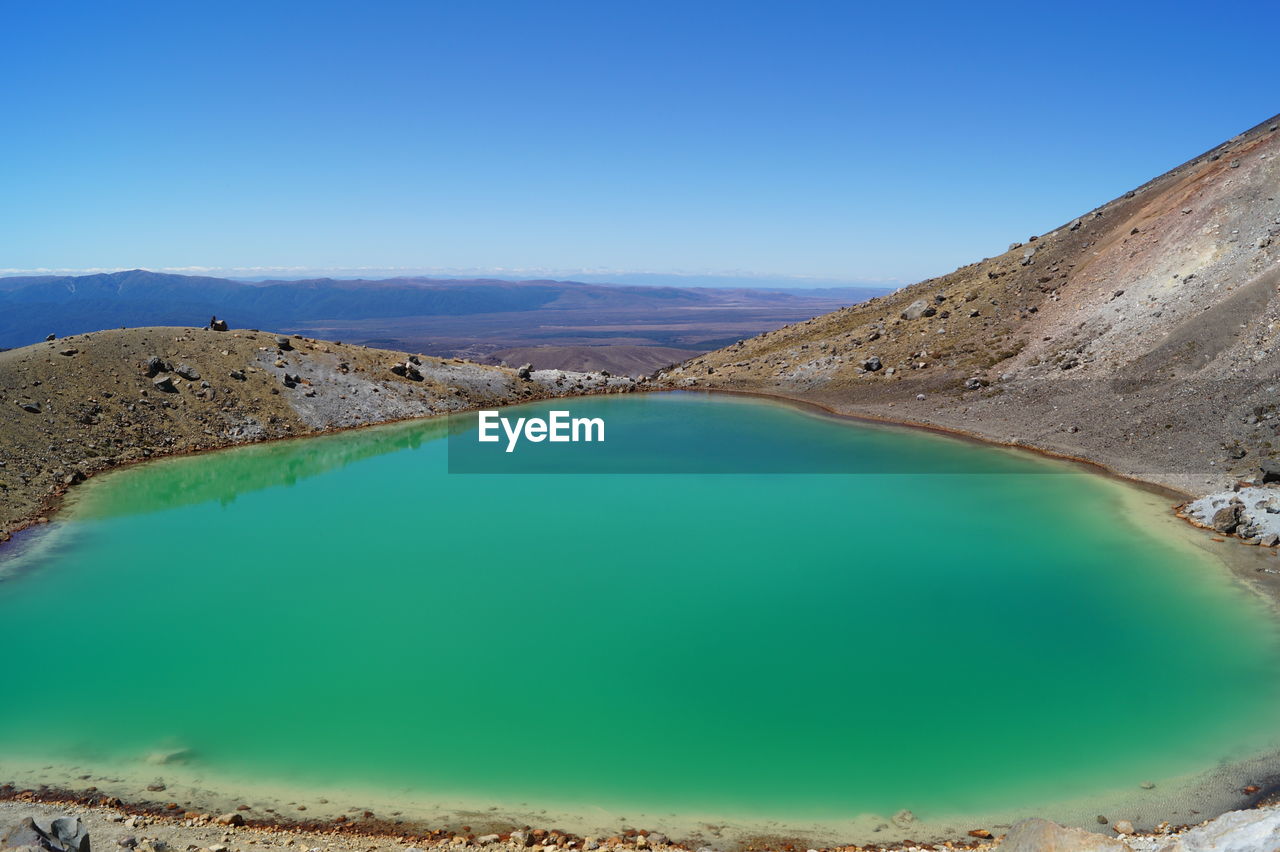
(344, 611)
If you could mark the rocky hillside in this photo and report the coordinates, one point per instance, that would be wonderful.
(1143, 334)
(72, 406)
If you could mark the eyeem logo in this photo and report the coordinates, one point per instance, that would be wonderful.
(560, 427)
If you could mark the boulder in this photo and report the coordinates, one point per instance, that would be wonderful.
(521, 839)
(64, 834)
(1235, 831)
(1042, 835)
(525, 372)
(69, 351)
(187, 372)
(232, 818)
(155, 364)
(1269, 471)
(915, 310)
(283, 342)
(164, 384)
(872, 364)
(217, 325)
(29, 406)
(1226, 519)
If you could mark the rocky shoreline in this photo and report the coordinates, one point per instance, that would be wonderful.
(27, 818)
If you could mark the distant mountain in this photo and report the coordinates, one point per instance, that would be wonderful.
(413, 310)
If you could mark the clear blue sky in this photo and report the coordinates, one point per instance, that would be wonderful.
(839, 139)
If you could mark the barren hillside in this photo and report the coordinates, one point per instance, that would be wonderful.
(1143, 334)
(76, 405)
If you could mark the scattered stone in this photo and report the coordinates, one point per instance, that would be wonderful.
(657, 838)
(521, 839)
(238, 375)
(156, 365)
(187, 372)
(164, 383)
(1123, 826)
(232, 818)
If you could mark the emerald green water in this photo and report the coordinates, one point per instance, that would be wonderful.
(344, 611)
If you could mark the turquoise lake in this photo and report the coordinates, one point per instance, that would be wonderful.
(939, 625)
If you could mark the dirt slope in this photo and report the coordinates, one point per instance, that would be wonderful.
(1142, 335)
(76, 405)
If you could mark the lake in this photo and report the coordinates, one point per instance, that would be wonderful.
(731, 610)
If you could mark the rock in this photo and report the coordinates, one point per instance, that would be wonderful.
(1235, 831)
(657, 838)
(980, 833)
(1147, 785)
(917, 309)
(238, 375)
(284, 343)
(1226, 519)
(872, 364)
(1269, 471)
(29, 406)
(920, 397)
(129, 842)
(187, 372)
(164, 383)
(521, 839)
(156, 365)
(69, 351)
(64, 834)
(51, 337)
(1042, 835)
(1122, 826)
(411, 372)
(176, 755)
(487, 839)
(525, 372)
(974, 383)
(904, 818)
(232, 818)
(216, 324)
(1270, 540)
